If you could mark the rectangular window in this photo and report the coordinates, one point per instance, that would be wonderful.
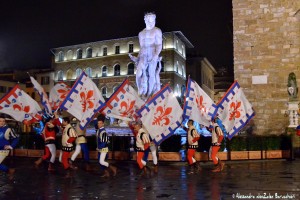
(105, 51)
(28, 85)
(117, 50)
(130, 48)
(2, 89)
(45, 80)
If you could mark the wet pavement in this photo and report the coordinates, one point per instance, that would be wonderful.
(265, 179)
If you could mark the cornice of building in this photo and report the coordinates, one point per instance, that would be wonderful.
(205, 60)
(179, 34)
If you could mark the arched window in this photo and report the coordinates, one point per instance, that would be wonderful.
(130, 69)
(69, 74)
(61, 56)
(70, 55)
(78, 72)
(60, 75)
(183, 89)
(115, 88)
(104, 71)
(178, 90)
(162, 66)
(89, 52)
(117, 70)
(79, 54)
(182, 70)
(104, 92)
(88, 72)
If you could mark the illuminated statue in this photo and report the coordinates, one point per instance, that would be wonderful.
(147, 74)
(292, 86)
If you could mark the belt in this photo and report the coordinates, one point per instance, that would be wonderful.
(50, 142)
(67, 149)
(193, 146)
(139, 149)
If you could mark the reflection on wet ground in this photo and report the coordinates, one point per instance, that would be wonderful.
(239, 180)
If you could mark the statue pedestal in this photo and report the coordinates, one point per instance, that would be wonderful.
(293, 108)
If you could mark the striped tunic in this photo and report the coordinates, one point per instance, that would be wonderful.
(102, 138)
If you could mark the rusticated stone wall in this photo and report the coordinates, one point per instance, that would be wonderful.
(266, 49)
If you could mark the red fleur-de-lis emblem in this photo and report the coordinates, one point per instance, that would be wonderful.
(201, 104)
(20, 107)
(127, 108)
(234, 112)
(62, 93)
(161, 116)
(87, 100)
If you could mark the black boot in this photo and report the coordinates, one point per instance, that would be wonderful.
(51, 167)
(113, 169)
(72, 166)
(192, 169)
(198, 167)
(105, 174)
(143, 172)
(155, 169)
(87, 167)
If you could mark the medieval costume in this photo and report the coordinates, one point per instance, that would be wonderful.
(81, 145)
(193, 138)
(8, 140)
(142, 144)
(49, 135)
(153, 150)
(102, 148)
(68, 137)
(216, 139)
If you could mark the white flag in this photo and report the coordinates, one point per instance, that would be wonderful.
(234, 110)
(198, 106)
(161, 115)
(123, 103)
(44, 97)
(84, 100)
(58, 93)
(20, 106)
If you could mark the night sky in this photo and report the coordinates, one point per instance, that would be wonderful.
(29, 29)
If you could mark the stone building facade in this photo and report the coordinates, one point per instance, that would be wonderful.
(202, 71)
(266, 50)
(108, 64)
(6, 86)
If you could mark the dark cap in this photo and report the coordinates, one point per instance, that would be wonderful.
(137, 122)
(101, 117)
